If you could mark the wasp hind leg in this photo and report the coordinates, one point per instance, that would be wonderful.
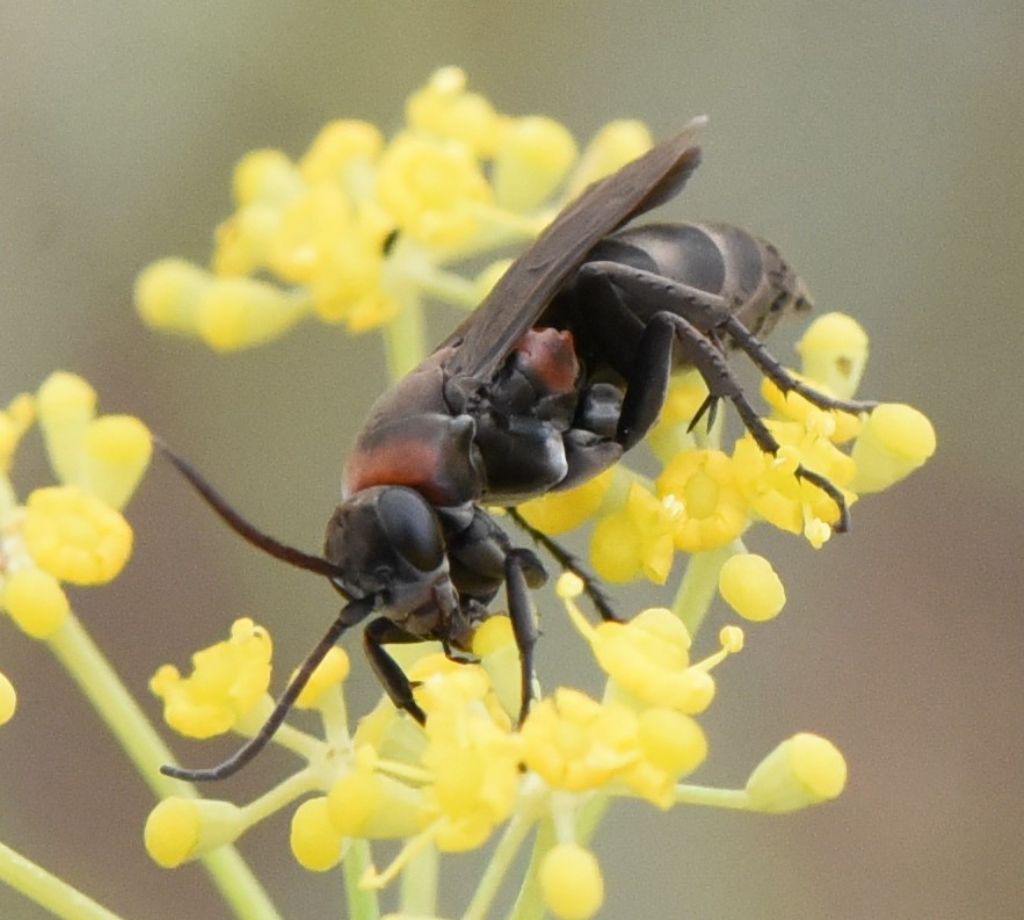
(679, 323)
(769, 365)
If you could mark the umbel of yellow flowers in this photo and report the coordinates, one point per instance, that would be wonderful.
(362, 230)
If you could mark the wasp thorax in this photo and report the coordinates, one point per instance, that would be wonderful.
(388, 541)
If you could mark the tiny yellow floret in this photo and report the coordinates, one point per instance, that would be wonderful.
(228, 680)
(36, 602)
(432, 189)
(570, 878)
(895, 441)
(648, 658)
(575, 743)
(315, 842)
(804, 770)
(75, 536)
(751, 587)
(8, 699)
(713, 510)
(637, 539)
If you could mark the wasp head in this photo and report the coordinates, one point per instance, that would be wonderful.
(388, 542)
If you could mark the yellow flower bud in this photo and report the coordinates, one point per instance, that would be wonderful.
(616, 144)
(834, 350)
(494, 645)
(67, 404)
(315, 842)
(570, 878)
(117, 451)
(331, 672)
(339, 145)
(672, 741)
(751, 587)
(36, 602)
(895, 441)
(444, 109)
(366, 804)
(265, 176)
(180, 829)
(8, 699)
(15, 420)
(242, 242)
(804, 770)
(236, 313)
(532, 159)
(167, 294)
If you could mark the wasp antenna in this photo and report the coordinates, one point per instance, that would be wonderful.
(240, 525)
(351, 614)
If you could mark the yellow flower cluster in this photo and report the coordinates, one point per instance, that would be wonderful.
(359, 227)
(469, 772)
(358, 230)
(72, 532)
(705, 499)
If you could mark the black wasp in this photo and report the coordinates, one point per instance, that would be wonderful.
(562, 369)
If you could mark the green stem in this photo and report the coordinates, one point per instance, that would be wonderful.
(299, 742)
(419, 883)
(48, 891)
(445, 285)
(282, 795)
(497, 868)
(715, 798)
(698, 587)
(590, 816)
(362, 904)
(404, 337)
(529, 903)
(90, 669)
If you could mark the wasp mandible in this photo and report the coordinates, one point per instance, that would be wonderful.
(563, 368)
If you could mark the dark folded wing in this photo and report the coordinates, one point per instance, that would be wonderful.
(531, 282)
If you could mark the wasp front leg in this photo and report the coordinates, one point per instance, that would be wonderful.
(521, 567)
(381, 632)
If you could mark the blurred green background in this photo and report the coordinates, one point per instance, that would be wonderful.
(878, 144)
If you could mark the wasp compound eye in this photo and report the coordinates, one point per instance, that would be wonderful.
(411, 527)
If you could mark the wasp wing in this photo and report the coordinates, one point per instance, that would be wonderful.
(531, 282)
